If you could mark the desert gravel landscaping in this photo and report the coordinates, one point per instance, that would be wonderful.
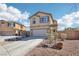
(70, 48)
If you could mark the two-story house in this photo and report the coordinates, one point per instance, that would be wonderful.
(40, 24)
(11, 28)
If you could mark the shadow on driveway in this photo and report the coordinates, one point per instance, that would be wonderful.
(23, 38)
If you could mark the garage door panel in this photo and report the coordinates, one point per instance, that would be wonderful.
(41, 32)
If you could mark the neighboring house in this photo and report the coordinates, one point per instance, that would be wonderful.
(62, 35)
(10, 28)
(40, 24)
(72, 33)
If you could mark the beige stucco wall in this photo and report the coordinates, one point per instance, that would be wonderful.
(5, 25)
(7, 33)
(37, 19)
(24, 28)
(40, 27)
(17, 26)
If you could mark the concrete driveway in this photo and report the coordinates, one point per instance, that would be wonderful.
(19, 48)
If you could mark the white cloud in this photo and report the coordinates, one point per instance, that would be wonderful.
(61, 27)
(11, 13)
(25, 15)
(3, 7)
(14, 11)
(68, 20)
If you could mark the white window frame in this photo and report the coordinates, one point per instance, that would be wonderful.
(44, 19)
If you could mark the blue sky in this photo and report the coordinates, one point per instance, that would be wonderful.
(65, 14)
(57, 9)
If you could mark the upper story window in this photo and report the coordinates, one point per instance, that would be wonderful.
(34, 21)
(2, 22)
(11, 24)
(21, 26)
(54, 30)
(44, 19)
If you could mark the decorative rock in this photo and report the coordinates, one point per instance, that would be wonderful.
(58, 46)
